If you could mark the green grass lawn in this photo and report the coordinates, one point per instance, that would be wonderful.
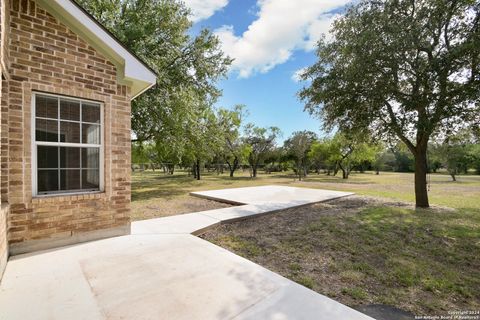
(166, 192)
(361, 251)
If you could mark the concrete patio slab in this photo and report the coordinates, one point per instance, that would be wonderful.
(256, 200)
(162, 271)
(270, 194)
(183, 224)
(154, 277)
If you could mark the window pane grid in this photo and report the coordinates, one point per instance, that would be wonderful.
(78, 156)
(65, 120)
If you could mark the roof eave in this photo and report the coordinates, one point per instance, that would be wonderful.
(130, 69)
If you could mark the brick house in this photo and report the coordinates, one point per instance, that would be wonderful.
(65, 93)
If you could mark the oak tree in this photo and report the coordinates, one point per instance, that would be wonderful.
(405, 68)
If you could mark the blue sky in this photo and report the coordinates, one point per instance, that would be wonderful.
(270, 41)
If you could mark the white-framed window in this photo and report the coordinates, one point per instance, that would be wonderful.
(67, 145)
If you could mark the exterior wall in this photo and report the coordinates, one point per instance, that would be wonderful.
(4, 22)
(46, 56)
(4, 62)
(3, 239)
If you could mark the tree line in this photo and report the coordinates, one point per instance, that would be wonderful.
(230, 145)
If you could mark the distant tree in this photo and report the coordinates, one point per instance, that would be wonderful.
(139, 154)
(384, 161)
(348, 149)
(455, 153)
(234, 151)
(474, 154)
(380, 157)
(260, 142)
(406, 68)
(166, 153)
(298, 146)
(434, 163)
(205, 139)
(318, 155)
(275, 159)
(404, 161)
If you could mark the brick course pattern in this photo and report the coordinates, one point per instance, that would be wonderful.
(4, 62)
(45, 56)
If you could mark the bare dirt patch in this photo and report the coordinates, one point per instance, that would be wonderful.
(364, 250)
(168, 207)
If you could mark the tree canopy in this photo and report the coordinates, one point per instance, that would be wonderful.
(298, 146)
(400, 68)
(260, 141)
(187, 66)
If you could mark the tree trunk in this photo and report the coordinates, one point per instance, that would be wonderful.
(344, 172)
(453, 176)
(254, 171)
(421, 194)
(235, 166)
(232, 166)
(299, 172)
(198, 169)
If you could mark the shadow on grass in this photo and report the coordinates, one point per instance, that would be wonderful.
(389, 253)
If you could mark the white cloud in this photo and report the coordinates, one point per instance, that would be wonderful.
(282, 26)
(297, 75)
(204, 9)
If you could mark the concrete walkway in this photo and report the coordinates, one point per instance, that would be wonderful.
(162, 271)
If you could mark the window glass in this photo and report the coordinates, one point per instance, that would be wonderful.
(47, 157)
(46, 130)
(62, 128)
(90, 158)
(69, 132)
(47, 180)
(90, 179)
(69, 110)
(70, 158)
(46, 107)
(90, 133)
(70, 179)
(90, 112)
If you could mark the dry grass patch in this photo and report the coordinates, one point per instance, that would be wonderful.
(155, 194)
(362, 250)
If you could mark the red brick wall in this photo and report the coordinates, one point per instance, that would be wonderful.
(46, 56)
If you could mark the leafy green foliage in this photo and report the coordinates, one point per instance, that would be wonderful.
(176, 114)
(260, 142)
(235, 152)
(298, 146)
(400, 68)
(457, 153)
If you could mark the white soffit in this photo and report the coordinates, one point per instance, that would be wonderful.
(130, 70)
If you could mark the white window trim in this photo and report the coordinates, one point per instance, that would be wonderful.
(35, 143)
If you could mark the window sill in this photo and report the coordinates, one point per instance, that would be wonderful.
(65, 197)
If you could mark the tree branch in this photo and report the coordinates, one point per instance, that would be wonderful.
(396, 128)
